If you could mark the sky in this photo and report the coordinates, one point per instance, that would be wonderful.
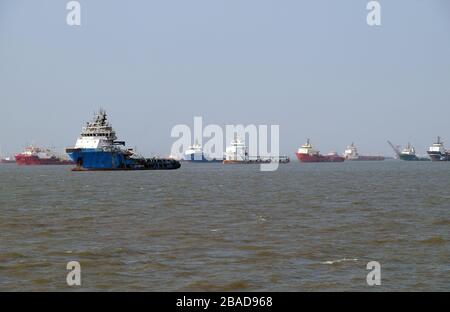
(314, 67)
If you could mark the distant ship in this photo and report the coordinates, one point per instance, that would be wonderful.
(306, 153)
(351, 153)
(409, 154)
(40, 156)
(237, 153)
(437, 151)
(7, 160)
(195, 154)
(97, 148)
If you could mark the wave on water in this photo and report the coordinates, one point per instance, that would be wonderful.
(434, 240)
(442, 222)
(339, 261)
(204, 285)
(260, 219)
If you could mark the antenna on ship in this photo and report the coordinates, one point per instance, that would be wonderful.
(235, 146)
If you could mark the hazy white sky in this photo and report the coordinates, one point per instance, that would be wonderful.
(314, 67)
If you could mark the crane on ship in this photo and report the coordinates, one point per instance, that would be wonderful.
(396, 149)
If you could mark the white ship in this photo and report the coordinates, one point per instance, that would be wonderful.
(437, 151)
(351, 153)
(6, 159)
(195, 154)
(237, 153)
(409, 154)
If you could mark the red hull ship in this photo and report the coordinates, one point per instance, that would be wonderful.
(307, 154)
(37, 156)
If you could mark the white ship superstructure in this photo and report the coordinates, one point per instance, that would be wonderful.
(237, 151)
(351, 153)
(98, 134)
(195, 153)
(409, 150)
(437, 151)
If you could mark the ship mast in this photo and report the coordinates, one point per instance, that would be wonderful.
(235, 146)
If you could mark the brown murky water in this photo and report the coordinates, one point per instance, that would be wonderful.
(306, 227)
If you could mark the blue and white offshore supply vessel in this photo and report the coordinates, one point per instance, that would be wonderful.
(195, 154)
(97, 148)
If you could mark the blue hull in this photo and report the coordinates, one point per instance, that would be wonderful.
(200, 159)
(95, 159)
